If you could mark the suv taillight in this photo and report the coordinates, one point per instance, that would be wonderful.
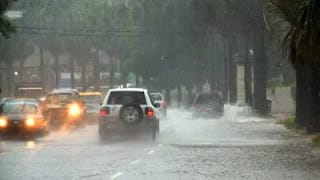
(104, 111)
(149, 112)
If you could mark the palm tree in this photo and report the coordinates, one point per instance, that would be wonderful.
(302, 42)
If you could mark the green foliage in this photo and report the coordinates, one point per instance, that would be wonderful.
(315, 142)
(289, 123)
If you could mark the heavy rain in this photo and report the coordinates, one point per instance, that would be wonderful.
(159, 89)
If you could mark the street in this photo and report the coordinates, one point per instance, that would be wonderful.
(233, 147)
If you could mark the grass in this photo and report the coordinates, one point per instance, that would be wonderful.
(289, 123)
(315, 142)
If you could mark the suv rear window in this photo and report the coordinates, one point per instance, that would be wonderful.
(127, 97)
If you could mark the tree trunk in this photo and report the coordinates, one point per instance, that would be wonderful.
(72, 72)
(260, 73)
(12, 91)
(42, 76)
(96, 71)
(168, 96)
(179, 95)
(111, 82)
(137, 80)
(307, 97)
(232, 72)
(83, 76)
(247, 76)
(56, 70)
(21, 70)
(189, 89)
(226, 73)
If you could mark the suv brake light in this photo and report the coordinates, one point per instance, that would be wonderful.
(149, 112)
(104, 111)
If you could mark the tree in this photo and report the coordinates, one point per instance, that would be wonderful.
(302, 42)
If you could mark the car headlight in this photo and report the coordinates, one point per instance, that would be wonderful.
(30, 122)
(74, 110)
(3, 122)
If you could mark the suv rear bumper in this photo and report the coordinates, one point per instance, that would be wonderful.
(108, 124)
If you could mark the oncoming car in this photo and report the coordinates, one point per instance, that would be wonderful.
(92, 101)
(128, 110)
(23, 116)
(65, 107)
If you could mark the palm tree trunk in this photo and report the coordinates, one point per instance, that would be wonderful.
(96, 71)
(21, 69)
(247, 76)
(226, 74)
(179, 95)
(42, 76)
(260, 73)
(111, 72)
(232, 72)
(56, 70)
(72, 72)
(83, 76)
(137, 80)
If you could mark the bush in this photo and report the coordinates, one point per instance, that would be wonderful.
(289, 123)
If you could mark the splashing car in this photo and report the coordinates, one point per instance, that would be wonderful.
(23, 116)
(65, 107)
(128, 110)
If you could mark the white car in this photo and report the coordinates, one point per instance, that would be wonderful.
(128, 110)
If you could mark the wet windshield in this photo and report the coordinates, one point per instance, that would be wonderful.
(19, 107)
(60, 98)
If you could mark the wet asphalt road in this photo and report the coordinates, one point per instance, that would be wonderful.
(232, 147)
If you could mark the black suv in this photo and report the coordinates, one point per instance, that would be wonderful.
(65, 107)
(207, 105)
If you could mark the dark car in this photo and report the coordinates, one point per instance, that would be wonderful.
(93, 101)
(23, 116)
(207, 105)
(65, 107)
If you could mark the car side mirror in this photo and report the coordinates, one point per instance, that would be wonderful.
(157, 105)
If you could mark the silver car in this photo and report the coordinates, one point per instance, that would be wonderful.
(128, 110)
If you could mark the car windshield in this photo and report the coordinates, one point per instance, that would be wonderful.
(60, 98)
(156, 97)
(19, 107)
(121, 98)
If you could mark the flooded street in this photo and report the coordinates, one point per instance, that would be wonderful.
(232, 147)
